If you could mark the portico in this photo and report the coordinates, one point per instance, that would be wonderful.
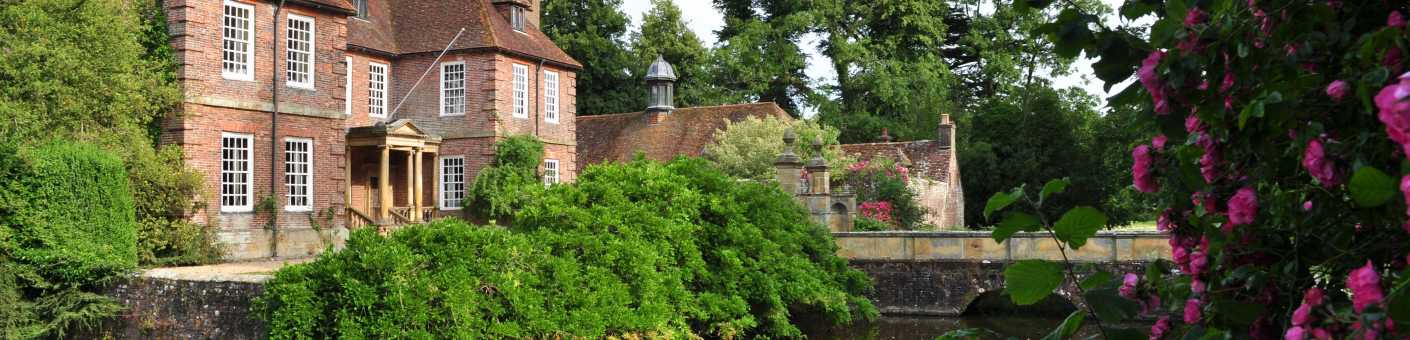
(388, 172)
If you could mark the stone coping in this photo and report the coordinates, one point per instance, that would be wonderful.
(986, 233)
(979, 246)
(248, 272)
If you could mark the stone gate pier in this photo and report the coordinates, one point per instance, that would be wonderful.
(943, 273)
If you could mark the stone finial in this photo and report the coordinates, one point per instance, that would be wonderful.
(817, 160)
(885, 136)
(788, 156)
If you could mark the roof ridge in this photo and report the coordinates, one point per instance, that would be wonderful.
(687, 108)
(892, 143)
(489, 29)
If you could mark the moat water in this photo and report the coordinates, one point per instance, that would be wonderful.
(927, 328)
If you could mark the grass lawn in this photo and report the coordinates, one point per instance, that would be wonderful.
(1137, 226)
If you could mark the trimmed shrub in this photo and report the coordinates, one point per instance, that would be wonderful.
(68, 213)
(863, 223)
(67, 225)
(511, 180)
(646, 249)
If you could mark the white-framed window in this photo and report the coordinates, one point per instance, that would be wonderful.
(550, 171)
(550, 96)
(452, 182)
(516, 18)
(347, 86)
(521, 91)
(236, 174)
(361, 6)
(300, 44)
(376, 90)
(298, 174)
(238, 42)
(453, 88)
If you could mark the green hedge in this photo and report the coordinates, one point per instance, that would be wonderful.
(672, 250)
(67, 212)
(67, 224)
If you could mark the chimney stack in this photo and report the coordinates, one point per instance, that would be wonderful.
(946, 137)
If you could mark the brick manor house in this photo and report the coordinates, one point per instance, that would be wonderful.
(326, 113)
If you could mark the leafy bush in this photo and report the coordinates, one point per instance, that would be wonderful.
(637, 249)
(863, 223)
(67, 224)
(509, 181)
(747, 149)
(883, 183)
(1278, 130)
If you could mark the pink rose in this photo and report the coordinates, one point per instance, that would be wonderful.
(1313, 296)
(1337, 90)
(1192, 312)
(1162, 222)
(1208, 167)
(1159, 142)
(1227, 83)
(1394, 112)
(1243, 206)
(1405, 191)
(1151, 80)
(1307, 206)
(1365, 285)
(1395, 20)
(1194, 17)
(1315, 161)
(1198, 260)
(1197, 286)
(1192, 123)
(1128, 286)
(1321, 334)
(1160, 327)
(1301, 315)
(1140, 169)
(1295, 333)
(1181, 257)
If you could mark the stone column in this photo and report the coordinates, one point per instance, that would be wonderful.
(817, 171)
(417, 196)
(411, 182)
(385, 185)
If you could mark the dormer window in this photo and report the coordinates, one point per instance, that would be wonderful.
(516, 18)
(361, 8)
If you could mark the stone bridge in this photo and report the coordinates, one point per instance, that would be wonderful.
(944, 273)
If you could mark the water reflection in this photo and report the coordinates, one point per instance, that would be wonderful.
(927, 328)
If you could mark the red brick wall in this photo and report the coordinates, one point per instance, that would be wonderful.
(360, 81)
(423, 105)
(196, 36)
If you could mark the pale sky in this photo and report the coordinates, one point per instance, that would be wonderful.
(702, 17)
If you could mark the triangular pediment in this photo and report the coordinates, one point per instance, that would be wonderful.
(404, 127)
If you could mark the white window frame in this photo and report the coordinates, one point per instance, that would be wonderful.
(290, 62)
(307, 185)
(447, 89)
(521, 91)
(516, 18)
(550, 97)
(377, 89)
(441, 191)
(249, 41)
(347, 86)
(248, 195)
(551, 165)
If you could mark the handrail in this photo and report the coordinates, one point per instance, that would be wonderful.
(356, 219)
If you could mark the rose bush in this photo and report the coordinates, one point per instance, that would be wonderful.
(1279, 129)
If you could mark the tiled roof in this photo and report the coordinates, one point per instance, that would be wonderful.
(417, 26)
(925, 158)
(686, 131)
(335, 5)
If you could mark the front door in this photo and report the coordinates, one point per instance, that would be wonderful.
(374, 194)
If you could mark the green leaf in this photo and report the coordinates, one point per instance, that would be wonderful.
(969, 333)
(1029, 281)
(1069, 326)
(1078, 225)
(1399, 306)
(1371, 188)
(1014, 223)
(1252, 110)
(1056, 186)
(1002, 200)
(1096, 280)
(1109, 306)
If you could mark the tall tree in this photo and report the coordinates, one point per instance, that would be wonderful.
(594, 32)
(758, 52)
(890, 73)
(664, 33)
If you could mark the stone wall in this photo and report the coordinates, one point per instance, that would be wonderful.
(169, 308)
(948, 288)
(979, 246)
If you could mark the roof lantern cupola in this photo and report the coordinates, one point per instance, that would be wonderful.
(661, 78)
